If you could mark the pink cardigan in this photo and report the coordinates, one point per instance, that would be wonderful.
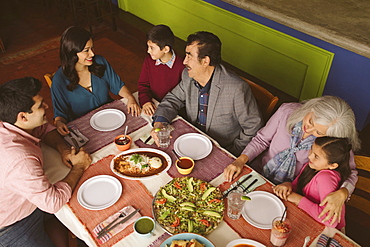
(275, 138)
(323, 183)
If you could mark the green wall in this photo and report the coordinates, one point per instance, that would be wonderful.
(289, 64)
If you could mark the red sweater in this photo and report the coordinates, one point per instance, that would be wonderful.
(157, 80)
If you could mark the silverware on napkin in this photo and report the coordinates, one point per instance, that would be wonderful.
(108, 229)
(247, 188)
(237, 185)
(75, 143)
(79, 138)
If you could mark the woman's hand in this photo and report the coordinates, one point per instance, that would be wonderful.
(149, 108)
(334, 202)
(61, 125)
(234, 169)
(283, 190)
(133, 107)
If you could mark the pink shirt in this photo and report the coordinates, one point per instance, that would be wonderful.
(323, 183)
(23, 184)
(274, 138)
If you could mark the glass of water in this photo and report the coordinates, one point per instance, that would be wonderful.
(164, 135)
(235, 204)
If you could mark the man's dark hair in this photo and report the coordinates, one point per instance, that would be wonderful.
(17, 96)
(208, 45)
(161, 35)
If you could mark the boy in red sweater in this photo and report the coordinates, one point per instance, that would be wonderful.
(161, 70)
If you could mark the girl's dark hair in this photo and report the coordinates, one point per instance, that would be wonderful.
(161, 35)
(17, 96)
(208, 45)
(337, 150)
(73, 41)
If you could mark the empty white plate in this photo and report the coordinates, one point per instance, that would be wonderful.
(107, 120)
(262, 209)
(193, 145)
(99, 192)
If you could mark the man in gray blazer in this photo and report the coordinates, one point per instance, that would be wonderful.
(217, 101)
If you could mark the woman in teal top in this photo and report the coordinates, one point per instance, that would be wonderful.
(84, 80)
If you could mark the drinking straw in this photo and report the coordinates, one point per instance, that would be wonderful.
(282, 217)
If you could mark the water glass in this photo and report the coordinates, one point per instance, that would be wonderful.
(164, 135)
(235, 204)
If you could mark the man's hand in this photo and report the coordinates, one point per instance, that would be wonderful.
(234, 169)
(81, 158)
(133, 107)
(65, 153)
(149, 108)
(283, 190)
(334, 202)
(153, 132)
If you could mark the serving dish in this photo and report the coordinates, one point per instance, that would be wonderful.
(187, 236)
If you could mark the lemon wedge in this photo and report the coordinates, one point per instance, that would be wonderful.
(246, 198)
(157, 129)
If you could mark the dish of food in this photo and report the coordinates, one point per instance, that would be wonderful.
(262, 209)
(107, 120)
(193, 145)
(140, 163)
(99, 192)
(188, 204)
(187, 240)
(244, 243)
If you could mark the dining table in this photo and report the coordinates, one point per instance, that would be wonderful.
(140, 193)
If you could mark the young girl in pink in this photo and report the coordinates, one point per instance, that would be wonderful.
(324, 173)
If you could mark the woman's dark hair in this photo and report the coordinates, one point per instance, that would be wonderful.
(337, 150)
(208, 45)
(161, 35)
(17, 96)
(73, 41)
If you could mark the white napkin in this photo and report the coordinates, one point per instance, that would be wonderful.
(144, 137)
(255, 175)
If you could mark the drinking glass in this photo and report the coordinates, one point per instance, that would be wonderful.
(235, 204)
(280, 231)
(164, 135)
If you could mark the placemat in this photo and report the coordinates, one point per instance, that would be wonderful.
(99, 139)
(206, 169)
(303, 225)
(134, 193)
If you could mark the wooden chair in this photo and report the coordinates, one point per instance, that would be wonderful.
(358, 207)
(265, 100)
(49, 79)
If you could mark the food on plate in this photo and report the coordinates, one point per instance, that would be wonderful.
(188, 204)
(186, 243)
(244, 245)
(140, 164)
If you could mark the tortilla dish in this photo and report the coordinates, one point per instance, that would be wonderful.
(188, 204)
(140, 164)
(186, 243)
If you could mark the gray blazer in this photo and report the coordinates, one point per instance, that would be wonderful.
(233, 117)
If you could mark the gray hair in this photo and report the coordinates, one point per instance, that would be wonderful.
(329, 111)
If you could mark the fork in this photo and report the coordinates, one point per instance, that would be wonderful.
(121, 215)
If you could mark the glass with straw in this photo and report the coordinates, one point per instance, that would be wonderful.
(281, 228)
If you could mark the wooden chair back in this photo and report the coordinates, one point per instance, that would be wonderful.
(49, 79)
(266, 101)
(358, 207)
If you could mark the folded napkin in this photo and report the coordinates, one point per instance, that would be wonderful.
(77, 135)
(145, 137)
(241, 187)
(127, 210)
(325, 241)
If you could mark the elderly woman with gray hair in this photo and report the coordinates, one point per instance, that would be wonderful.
(287, 139)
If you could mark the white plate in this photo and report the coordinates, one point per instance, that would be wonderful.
(99, 192)
(245, 241)
(262, 209)
(195, 146)
(141, 150)
(188, 236)
(107, 120)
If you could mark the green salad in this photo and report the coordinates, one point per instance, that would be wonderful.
(188, 204)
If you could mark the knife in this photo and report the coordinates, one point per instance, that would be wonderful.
(122, 214)
(106, 230)
(237, 185)
(246, 189)
(75, 143)
(148, 139)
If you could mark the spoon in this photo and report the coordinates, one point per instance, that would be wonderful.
(125, 132)
(306, 240)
